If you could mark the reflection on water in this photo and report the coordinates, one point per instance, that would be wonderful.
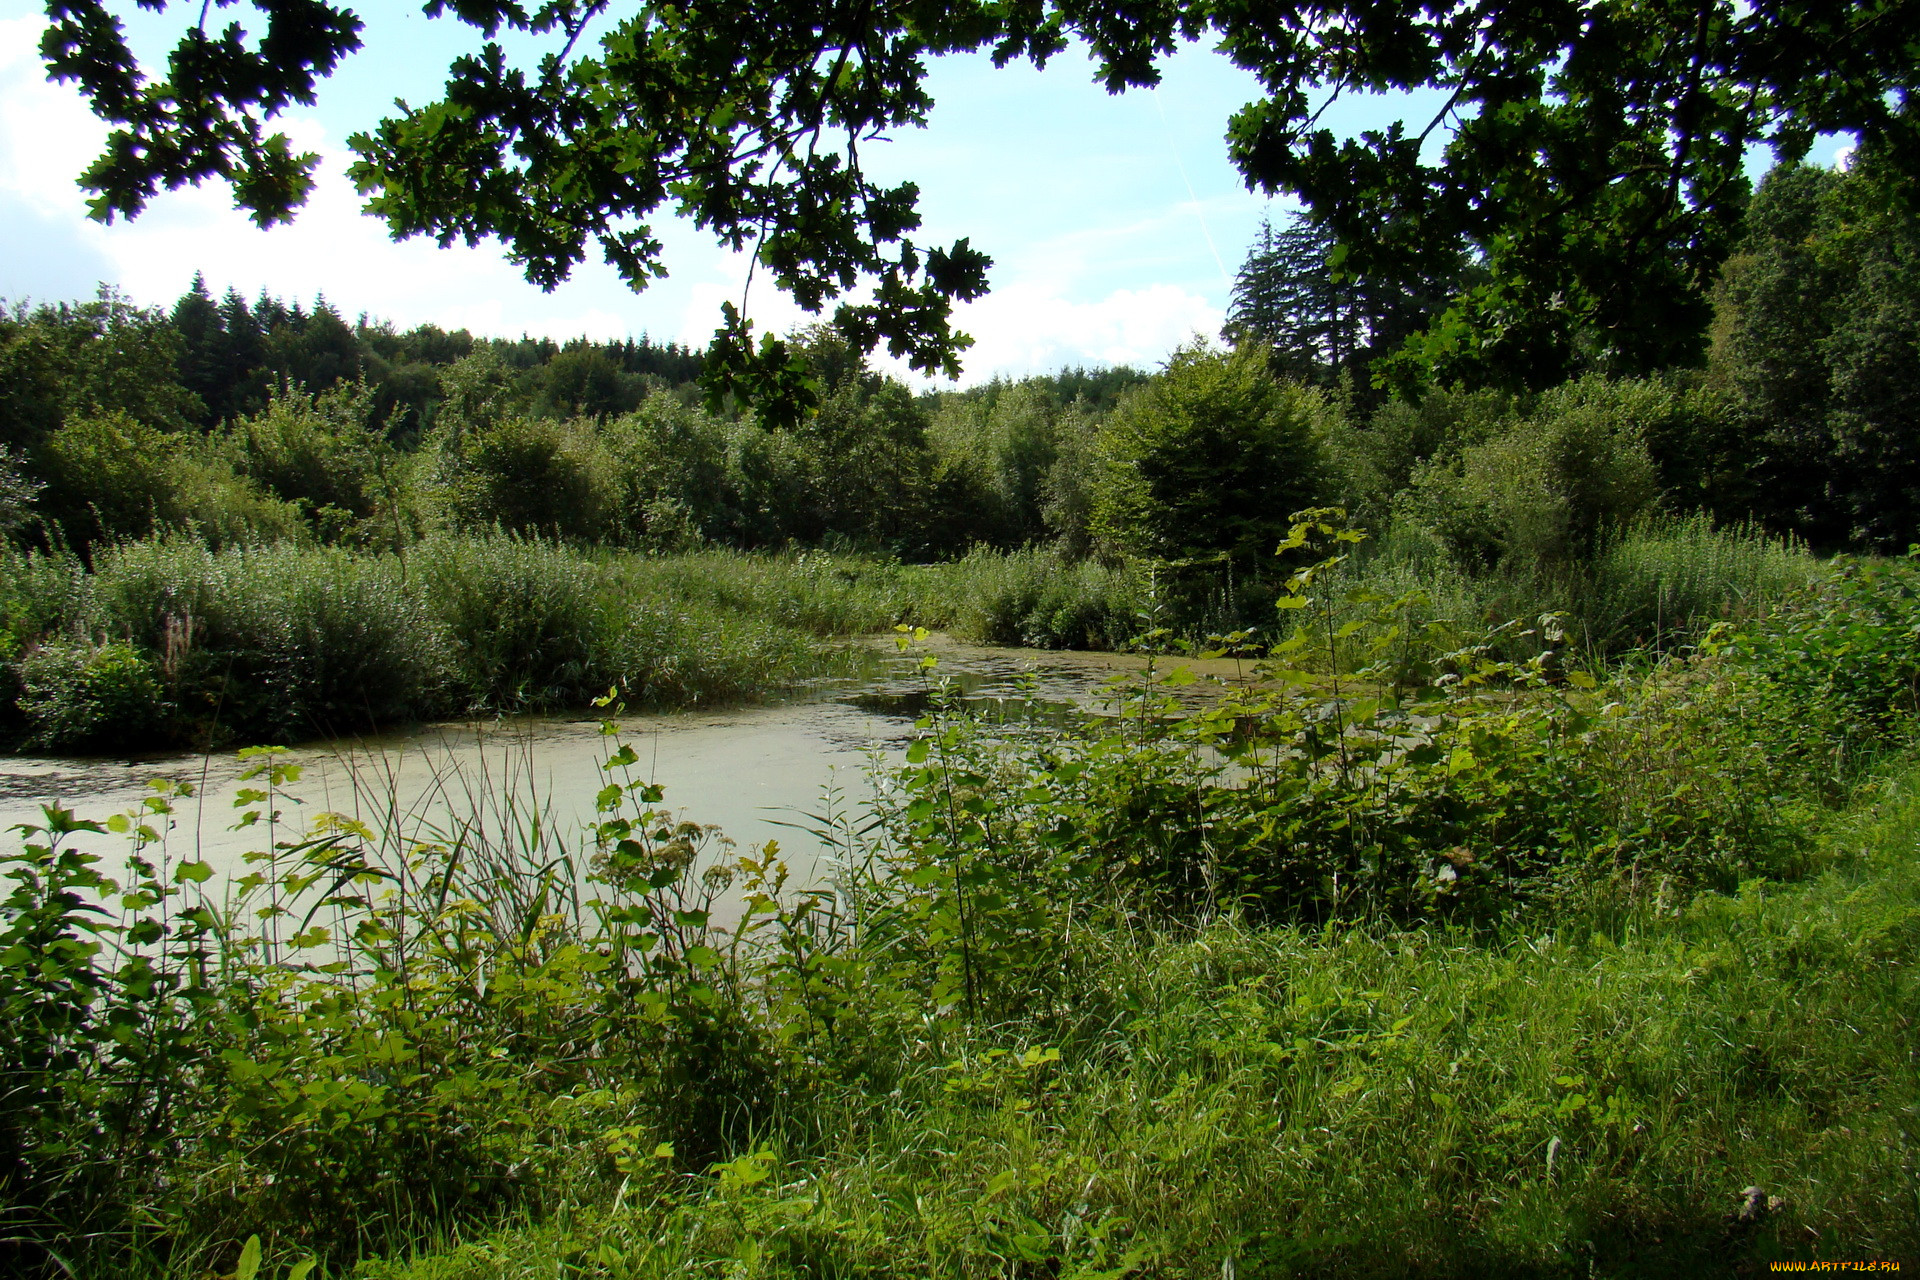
(757, 772)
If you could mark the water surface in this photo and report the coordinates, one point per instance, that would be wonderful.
(759, 773)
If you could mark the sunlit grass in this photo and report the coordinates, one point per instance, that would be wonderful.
(1566, 1101)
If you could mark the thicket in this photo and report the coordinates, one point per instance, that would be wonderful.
(261, 422)
(1512, 968)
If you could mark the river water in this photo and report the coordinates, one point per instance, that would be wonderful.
(759, 773)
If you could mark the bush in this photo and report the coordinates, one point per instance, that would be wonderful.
(319, 452)
(1211, 458)
(531, 476)
(1544, 493)
(90, 698)
(1375, 461)
(671, 476)
(1843, 659)
(274, 643)
(1037, 598)
(18, 489)
(526, 622)
(112, 478)
(109, 477)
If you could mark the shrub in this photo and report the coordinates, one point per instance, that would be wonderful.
(109, 477)
(275, 642)
(1544, 493)
(671, 480)
(1037, 598)
(1377, 460)
(90, 698)
(18, 489)
(1211, 458)
(525, 621)
(320, 452)
(531, 476)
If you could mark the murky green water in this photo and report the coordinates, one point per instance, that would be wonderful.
(759, 773)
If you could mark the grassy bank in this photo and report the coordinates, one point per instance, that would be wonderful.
(1571, 1103)
(168, 642)
(1530, 971)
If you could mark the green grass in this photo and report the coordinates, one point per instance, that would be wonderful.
(1656, 586)
(1034, 597)
(276, 643)
(1566, 1101)
(1030, 1033)
(280, 642)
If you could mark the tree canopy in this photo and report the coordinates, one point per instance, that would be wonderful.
(1815, 337)
(1324, 326)
(1593, 158)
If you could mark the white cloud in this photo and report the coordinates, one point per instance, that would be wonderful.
(46, 136)
(1026, 328)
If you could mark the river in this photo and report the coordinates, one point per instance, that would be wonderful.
(759, 773)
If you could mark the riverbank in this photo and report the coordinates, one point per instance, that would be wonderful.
(170, 644)
(750, 769)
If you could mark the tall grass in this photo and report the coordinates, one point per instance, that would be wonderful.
(1656, 585)
(810, 591)
(270, 643)
(1551, 982)
(1278, 1103)
(1035, 597)
(1663, 582)
(284, 641)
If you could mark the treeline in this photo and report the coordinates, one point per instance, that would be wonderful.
(261, 422)
(1800, 415)
(250, 422)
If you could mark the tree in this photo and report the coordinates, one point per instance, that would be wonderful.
(584, 380)
(1595, 162)
(1211, 458)
(104, 356)
(1325, 325)
(1816, 340)
(197, 320)
(999, 445)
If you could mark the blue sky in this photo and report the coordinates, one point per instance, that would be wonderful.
(1115, 223)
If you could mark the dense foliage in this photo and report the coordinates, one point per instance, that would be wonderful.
(1537, 900)
(329, 473)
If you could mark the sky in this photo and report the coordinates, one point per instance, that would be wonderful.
(1115, 222)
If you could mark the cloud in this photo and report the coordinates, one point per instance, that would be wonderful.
(47, 138)
(1028, 329)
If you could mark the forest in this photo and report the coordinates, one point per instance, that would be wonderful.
(1494, 854)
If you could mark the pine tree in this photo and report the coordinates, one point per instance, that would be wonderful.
(1321, 323)
(203, 337)
(1287, 297)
